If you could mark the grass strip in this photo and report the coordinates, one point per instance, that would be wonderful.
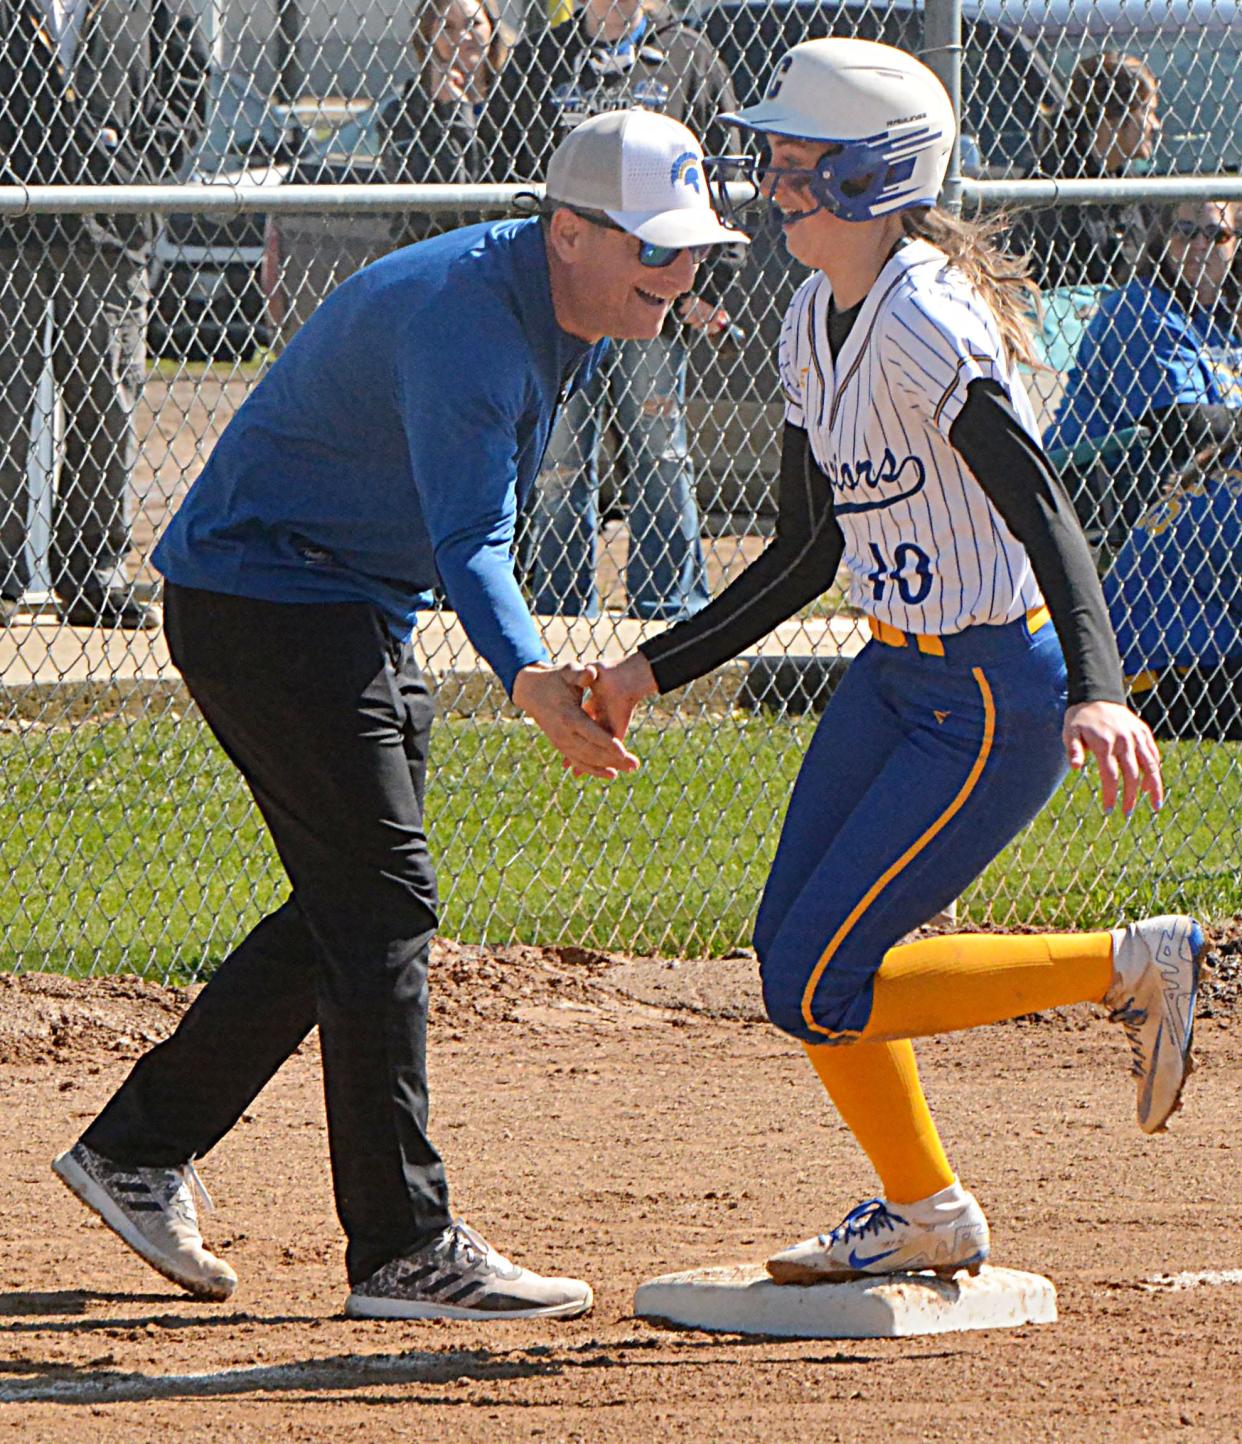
(133, 845)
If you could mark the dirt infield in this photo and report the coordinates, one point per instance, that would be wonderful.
(622, 1119)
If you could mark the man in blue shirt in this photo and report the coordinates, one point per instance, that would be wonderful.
(387, 450)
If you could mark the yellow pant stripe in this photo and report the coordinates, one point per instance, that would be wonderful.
(916, 847)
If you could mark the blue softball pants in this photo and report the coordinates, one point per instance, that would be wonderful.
(922, 769)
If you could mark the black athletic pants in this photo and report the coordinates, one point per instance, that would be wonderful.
(328, 719)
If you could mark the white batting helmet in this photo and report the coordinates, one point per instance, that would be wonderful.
(886, 111)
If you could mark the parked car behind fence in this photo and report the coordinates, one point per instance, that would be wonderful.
(207, 300)
(305, 256)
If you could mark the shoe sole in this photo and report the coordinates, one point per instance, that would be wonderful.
(359, 1306)
(100, 1202)
(1188, 1060)
(794, 1273)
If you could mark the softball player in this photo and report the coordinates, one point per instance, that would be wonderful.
(910, 450)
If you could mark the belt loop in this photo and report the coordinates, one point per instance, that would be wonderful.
(883, 632)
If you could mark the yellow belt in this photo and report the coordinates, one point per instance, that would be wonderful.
(933, 645)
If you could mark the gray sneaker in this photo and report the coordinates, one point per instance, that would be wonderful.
(459, 1275)
(1156, 966)
(152, 1210)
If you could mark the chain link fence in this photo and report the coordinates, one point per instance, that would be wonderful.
(182, 185)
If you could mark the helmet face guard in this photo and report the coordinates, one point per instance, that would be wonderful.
(854, 180)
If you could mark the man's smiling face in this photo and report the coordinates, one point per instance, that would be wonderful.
(622, 297)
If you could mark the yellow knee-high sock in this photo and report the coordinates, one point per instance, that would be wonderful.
(876, 1090)
(965, 980)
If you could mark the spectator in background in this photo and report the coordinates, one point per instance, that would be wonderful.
(1162, 353)
(1165, 353)
(112, 93)
(1108, 127)
(610, 55)
(430, 133)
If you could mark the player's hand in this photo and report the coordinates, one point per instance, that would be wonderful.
(1124, 750)
(618, 689)
(701, 315)
(552, 698)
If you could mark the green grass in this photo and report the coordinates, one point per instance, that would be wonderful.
(134, 847)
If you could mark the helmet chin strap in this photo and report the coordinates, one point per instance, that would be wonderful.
(791, 218)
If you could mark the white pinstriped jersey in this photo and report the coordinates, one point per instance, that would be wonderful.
(926, 549)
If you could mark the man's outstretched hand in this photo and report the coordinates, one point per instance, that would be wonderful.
(552, 698)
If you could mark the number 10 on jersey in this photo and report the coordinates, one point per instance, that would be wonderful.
(909, 571)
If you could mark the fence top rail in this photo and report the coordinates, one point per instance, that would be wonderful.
(226, 199)
(282, 199)
(1077, 192)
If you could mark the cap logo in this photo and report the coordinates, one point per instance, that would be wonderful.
(685, 171)
(774, 86)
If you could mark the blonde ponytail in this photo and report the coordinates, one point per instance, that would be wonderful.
(999, 277)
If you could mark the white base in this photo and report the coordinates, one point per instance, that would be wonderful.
(744, 1300)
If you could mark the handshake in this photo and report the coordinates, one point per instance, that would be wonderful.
(585, 710)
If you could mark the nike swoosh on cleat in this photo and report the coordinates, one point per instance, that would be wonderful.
(857, 1262)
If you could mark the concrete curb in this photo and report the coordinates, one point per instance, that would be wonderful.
(52, 673)
(790, 686)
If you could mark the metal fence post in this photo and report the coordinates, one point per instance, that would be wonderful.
(942, 51)
(289, 74)
(42, 466)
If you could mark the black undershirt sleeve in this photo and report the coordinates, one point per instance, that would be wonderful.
(798, 565)
(1015, 475)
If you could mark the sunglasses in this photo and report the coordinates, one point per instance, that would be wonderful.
(1192, 230)
(650, 255)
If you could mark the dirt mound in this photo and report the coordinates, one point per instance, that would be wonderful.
(1222, 981)
(719, 987)
(45, 1018)
(474, 981)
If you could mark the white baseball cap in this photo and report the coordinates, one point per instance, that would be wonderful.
(645, 172)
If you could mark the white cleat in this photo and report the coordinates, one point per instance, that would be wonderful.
(152, 1210)
(879, 1238)
(1155, 983)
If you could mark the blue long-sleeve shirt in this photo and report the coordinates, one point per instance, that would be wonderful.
(1142, 352)
(393, 443)
(1173, 589)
